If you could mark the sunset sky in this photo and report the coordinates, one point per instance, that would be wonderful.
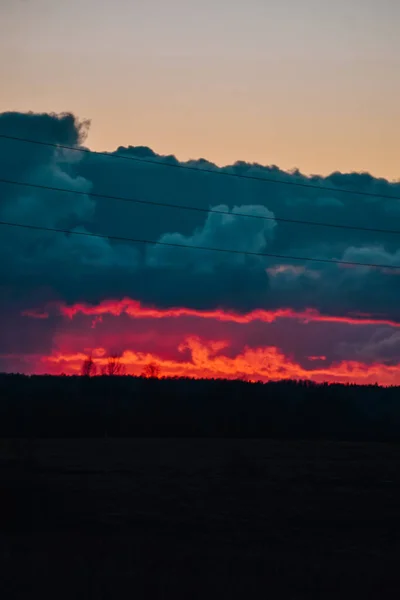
(305, 84)
(312, 84)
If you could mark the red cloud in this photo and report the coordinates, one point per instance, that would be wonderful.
(136, 310)
(208, 361)
(207, 343)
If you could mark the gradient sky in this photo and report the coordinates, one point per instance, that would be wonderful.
(312, 84)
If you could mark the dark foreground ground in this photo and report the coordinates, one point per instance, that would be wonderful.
(199, 519)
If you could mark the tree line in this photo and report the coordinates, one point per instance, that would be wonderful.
(115, 367)
(149, 406)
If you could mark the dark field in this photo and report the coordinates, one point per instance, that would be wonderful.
(198, 519)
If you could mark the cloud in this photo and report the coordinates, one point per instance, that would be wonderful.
(126, 325)
(382, 345)
(134, 309)
(38, 268)
(206, 358)
(31, 259)
(94, 269)
(224, 231)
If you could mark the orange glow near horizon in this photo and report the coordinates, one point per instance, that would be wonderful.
(207, 361)
(198, 349)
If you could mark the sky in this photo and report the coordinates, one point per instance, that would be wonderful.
(312, 84)
(257, 89)
(193, 312)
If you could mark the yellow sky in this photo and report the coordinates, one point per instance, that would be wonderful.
(303, 84)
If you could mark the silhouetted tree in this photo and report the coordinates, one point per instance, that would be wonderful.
(114, 366)
(89, 367)
(151, 371)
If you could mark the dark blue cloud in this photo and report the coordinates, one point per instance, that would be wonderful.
(78, 268)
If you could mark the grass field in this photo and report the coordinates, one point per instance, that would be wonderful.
(151, 518)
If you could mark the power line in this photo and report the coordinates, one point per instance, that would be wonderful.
(198, 208)
(207, 248)
(216, 171)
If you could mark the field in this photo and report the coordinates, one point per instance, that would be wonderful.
(150, 518)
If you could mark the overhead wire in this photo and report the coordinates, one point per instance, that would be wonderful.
(198, 208)
(214, 171)
(196, 247)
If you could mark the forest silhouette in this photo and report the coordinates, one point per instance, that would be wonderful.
(150, 406)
